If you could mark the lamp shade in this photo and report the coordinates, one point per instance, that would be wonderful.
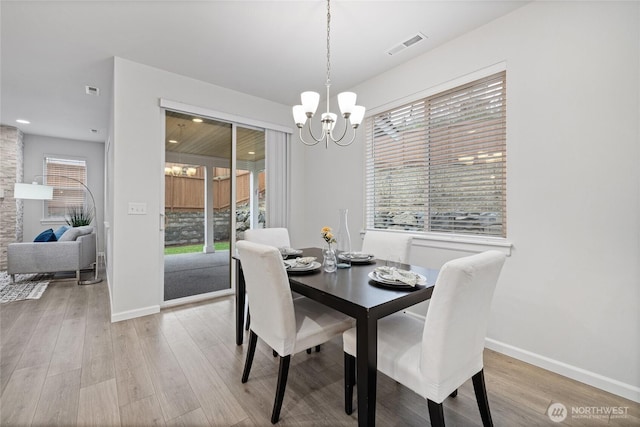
(357, 115)
(310, 101)
(346, 102)
(32, 191)
(299, 116)
(328, 121)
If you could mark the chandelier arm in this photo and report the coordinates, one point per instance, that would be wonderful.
(310, 144)
(346, 125)
(312, 135)
(353, 138)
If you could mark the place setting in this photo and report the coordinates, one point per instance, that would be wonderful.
(357, 257)
(302, 264)
(397, 278)
(287, 252)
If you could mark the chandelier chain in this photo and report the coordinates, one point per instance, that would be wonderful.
(328, 43)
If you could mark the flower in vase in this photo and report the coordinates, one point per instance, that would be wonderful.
(327, 235)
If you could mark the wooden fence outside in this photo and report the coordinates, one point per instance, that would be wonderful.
(182, 193)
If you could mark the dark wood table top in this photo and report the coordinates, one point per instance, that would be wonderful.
(351, 287)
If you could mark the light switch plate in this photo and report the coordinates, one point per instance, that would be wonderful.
(136, 208)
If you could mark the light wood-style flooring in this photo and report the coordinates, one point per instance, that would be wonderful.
(63, 364)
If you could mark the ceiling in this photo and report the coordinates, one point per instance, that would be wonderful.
(51, 50)
(211, 138)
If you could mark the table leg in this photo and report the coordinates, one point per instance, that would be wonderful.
(367, 369)
(240, 303)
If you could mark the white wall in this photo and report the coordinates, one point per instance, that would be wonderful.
(138, 172)
(568, 298)
(36, 148)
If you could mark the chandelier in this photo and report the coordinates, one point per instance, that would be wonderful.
(352, 113)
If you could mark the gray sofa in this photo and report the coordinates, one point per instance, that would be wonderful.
(75, 253)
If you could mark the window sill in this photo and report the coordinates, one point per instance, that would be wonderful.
(461, 243)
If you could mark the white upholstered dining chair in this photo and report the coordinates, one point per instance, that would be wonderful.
(389, 246)
(288, 326)
(436, 356)
(275, 236)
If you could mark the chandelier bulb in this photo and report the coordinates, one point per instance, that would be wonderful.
(299, 115)
(346, 102)
(357, 115)
(310, 101)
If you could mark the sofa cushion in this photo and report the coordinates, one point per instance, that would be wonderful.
(60, 231)
(46, 236)
(74, 232)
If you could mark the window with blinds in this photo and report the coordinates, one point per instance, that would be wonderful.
(439, 164)
(63, 175)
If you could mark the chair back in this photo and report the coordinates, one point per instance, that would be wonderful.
(278, 237)
(272, 312)
(388, 246)
(456, 322)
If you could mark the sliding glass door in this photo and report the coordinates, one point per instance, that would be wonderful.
(210, 198)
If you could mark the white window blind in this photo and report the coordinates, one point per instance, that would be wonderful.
(439, 164)
(61, 175)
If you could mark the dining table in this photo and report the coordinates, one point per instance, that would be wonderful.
(352, 292)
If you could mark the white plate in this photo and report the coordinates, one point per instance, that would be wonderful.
(309, 267)
(396, 283)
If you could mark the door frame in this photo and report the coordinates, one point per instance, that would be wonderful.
(235, 121)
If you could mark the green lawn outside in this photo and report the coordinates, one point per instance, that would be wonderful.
(173, 250)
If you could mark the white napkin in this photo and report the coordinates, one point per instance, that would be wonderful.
(300, 262)
(392, 273)
(358, 255)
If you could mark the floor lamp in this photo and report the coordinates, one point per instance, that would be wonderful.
(35, 191)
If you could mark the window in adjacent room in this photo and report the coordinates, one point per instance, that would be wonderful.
(439, 164)
(63, 175)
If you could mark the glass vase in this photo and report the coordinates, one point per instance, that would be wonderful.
(343, 240)
(329, 259)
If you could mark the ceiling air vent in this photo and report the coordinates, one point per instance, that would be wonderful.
(410, 41)
(91, 90)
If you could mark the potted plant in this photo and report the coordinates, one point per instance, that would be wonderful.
(78, 216)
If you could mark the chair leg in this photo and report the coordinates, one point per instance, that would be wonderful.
(253, 339)
(248, 322)
(317, 349)
(308, 351)
(436, 413)
(349, 381)
(481, 398)
(13, 278)
(283, 372)
(454, 393)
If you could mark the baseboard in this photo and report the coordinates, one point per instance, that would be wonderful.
(610, 385)
(125, 315)
(197, 298)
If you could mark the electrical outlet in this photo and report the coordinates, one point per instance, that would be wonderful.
(137, 208)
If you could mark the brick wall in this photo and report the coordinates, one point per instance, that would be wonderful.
(11, 167)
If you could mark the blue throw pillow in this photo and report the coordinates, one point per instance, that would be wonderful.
(60, 231)
(46, 236)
